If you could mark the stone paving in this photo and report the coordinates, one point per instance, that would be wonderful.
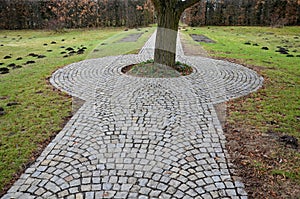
(140, 137)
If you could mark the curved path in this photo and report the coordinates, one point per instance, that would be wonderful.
(140, 137)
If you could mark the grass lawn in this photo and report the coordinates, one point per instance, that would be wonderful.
(38, 111)
(271, 112)
(281, 106)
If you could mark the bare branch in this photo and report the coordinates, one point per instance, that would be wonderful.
(182, 5)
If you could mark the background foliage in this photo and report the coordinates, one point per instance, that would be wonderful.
(244, 12)
(54, 14)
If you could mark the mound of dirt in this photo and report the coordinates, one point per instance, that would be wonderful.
(152, 70)
(4, 70)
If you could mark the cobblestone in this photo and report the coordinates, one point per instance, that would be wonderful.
(140, 137)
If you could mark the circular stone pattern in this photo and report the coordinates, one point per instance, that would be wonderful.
(213, 81)
(140, 137)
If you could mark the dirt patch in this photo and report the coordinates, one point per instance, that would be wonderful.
(4, 70)
(7, 57)
(259, 158)
(131, 38)
(192, 49)
(150, 70)
(201, 38)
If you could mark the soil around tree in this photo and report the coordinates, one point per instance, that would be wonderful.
(152, 70)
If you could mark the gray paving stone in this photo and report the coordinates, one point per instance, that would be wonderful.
(61, 194)
(126, 187)
(74, 190)
(109, 194)
(210, 188)
(99, 194)
(143, 197)
(40, 191)
(121, 195)
(89, 195)
(140, 137)
(206, 196)
(79, 196)
(183, 187)
(231, 192)
(70, 197)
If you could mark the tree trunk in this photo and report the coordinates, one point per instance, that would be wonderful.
(165, 44)
(168, 16)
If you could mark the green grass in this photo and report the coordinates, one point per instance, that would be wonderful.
(25, 128)
(280, 100)
(275, 107)
(111, 46)
(286, 174)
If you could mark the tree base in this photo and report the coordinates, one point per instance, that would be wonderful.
(152, 70)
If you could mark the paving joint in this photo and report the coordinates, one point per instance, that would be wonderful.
(141, 137)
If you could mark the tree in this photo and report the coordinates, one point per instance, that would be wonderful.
(168, 16)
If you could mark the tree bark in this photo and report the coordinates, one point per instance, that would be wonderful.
(165, 44)
(168, 16)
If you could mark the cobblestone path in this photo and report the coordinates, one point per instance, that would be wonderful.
(140, 137)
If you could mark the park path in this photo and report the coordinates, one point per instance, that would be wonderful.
(140, 137)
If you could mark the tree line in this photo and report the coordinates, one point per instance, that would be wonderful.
(244, 12)
(58, 14)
